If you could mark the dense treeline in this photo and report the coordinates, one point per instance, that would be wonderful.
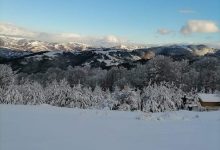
(159, 85)
(202, 74)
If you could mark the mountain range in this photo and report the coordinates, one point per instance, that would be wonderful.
(24, 51)
(25, 44)
(28, 55)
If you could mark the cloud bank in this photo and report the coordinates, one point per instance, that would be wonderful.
(199, 26)
(13, 30)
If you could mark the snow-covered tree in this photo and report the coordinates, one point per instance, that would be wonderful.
(32, 93)
(127, 99)
(108, 100)
(12, 95)
(209, 73)
(86, 97)
(58, 93)
(95, 76)
(1, 95)
(98, 98)
(7, 76)
(162, 97)
(149, 99)
(80, 97)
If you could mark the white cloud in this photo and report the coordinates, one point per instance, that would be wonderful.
(57, 37)
(69, 35)
(10, 29)
(215, 44)
(199, 26)
(111, 39)
(187, 11)
(164, 31)
(13, 30)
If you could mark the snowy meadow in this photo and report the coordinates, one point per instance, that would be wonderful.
(45, 127)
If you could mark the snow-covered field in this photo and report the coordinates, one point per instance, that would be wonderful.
(50, 128)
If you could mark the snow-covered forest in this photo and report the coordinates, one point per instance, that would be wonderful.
(157, 86)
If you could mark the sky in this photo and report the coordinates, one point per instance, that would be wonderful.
(142, 21)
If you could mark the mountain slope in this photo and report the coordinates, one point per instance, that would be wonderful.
(22, 44)
(36, 56)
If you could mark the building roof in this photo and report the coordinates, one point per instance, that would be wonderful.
(209, 97)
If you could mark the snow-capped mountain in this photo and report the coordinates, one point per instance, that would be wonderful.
(176, 50)
(23, 54)
(97, 57)
(22, 44)
(130, 46)
(21, 39)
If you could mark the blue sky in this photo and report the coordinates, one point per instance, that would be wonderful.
(144, 21)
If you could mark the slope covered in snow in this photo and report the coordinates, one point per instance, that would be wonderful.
(23, 44)
(45, 127)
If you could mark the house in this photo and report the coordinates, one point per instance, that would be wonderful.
(209, 100)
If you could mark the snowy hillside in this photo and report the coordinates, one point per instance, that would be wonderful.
(27, 44)
(23, 44)
(50, 128)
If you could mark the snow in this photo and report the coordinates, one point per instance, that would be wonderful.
(209, 97)
(136, 57)
(23, 44)
(111, 61)
(51, 128)
(53, 53)
(12, 54)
